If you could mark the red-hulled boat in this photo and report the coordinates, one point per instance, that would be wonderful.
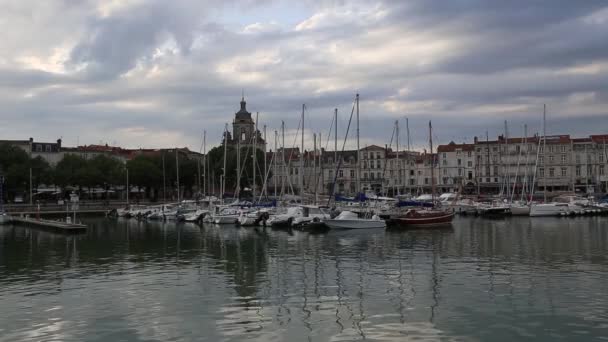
(420, 218)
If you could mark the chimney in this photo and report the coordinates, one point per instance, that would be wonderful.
(59, 143)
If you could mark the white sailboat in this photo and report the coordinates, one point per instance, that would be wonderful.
(350, 220)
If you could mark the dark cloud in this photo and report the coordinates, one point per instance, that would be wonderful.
(154, 73)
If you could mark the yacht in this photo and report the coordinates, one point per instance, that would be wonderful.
(225, 215)
(299, 215)
(520, 209)
(549, 209)
(350, 220)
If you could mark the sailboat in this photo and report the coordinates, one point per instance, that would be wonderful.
(423, 218)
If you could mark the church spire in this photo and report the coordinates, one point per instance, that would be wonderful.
(243, 103)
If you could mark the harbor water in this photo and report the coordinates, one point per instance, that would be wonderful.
(517, 279)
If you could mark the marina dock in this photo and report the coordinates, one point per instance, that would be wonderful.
(60, 226)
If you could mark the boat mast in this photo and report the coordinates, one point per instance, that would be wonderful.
(517, 170)
(302, 159)
(255, 152)
(223, 184)
(544, 146)
(432, 164)
(358, 149)
(314, 165)
(336, 135)
(408, 155)
(274, 166)
(398, 165)
(205, 163)
(265, 162)
(283, 158)
(505, 163)
(525, 183)
(237, 192)
(164, 180)
(177, 172)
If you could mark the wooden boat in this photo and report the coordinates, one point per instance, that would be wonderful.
(425, 218)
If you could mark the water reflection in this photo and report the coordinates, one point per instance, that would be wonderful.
(506, 280)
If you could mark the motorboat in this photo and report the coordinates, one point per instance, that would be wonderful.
(195, 215)
(549, 209)
(225, 215)
(350, 220)
(425, 218)
(298, 215)
(520, 209)
(495, 209)
(253, 218)
(466, 206)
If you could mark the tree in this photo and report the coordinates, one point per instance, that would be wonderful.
(144, 172)
(14, 165)
(69, 171)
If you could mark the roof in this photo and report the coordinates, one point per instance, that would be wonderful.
(452, 147)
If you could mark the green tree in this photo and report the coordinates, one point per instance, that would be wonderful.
(14, 165)
(70, 171)
(144, 173)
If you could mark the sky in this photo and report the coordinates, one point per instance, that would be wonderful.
(156, 73)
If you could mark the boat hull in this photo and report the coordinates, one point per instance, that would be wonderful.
(4, 219)
(355, 224)
(425, 221)
(520, 211)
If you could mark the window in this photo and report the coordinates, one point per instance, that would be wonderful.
(458, 152)
(365, 175)
(563, 148)
(297, 171)
(341, 173)
(243, 135)
(542, 150)
(495, 170)
(541, 172)
(600, 158)
(551, 159)
(426, 180)
(469, 154)
(460, 172)
(564, 171)
(411, 172)
(563, 158)
(371, 164)
(494, 149)
(495, 180)
(330, 173)
(550, 148)
(352, 173)
(601, 170)
(379, 175)
(445, 155)
(364, 155)
(378, 164)
(419, 173)
(48, 148)
(517, 148)
(38, 148)
(469, 164)
(487, 180)
(365, 165)
(551, 172)
(541, 160)
(445, 172)
(470, 176)
(371, 175)
(578, 158)
(445, 162)
(578, 170)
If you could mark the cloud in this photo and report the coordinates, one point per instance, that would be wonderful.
(154, 73)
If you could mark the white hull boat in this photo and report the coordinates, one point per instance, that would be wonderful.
(4, 219)
(549, 209)
(350, 220)
(520, 210)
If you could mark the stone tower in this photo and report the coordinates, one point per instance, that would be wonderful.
(243, 128)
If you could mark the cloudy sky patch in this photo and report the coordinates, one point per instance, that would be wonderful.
(157, 73)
